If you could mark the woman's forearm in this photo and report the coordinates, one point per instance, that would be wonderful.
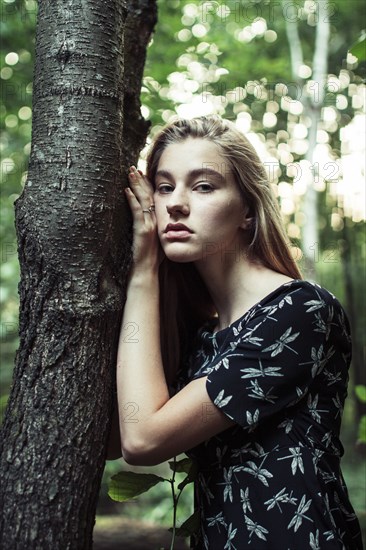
(141, 385)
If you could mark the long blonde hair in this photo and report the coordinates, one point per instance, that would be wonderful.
(185, 301)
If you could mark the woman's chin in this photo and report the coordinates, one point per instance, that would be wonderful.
(180, 257)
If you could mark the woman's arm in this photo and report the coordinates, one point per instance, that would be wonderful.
(153, 427)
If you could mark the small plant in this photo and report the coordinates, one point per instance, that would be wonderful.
(125, 486)
(360, 391)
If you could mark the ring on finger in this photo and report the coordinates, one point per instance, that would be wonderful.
(150, 209)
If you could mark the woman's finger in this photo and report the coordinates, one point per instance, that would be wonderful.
(138, 210)
(141, 185)
(133, 202)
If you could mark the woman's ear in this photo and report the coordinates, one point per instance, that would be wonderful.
(247, 222)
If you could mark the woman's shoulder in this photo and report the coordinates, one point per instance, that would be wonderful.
(295, 297)
(299, 317)
(303, 307)
(301, 291)
(302, 302)
(309, 293)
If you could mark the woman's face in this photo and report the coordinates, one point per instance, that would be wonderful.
(200, 212)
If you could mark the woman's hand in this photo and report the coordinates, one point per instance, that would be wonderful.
(146, 247)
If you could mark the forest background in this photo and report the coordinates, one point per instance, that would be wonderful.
(233, 58)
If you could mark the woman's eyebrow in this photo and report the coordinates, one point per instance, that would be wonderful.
(197, 172)
(207, 172)
(164, 174)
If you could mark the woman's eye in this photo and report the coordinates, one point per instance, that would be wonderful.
(204, 187)
(164, 188)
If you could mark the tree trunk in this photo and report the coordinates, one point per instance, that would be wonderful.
(74, 251)
(312, 110)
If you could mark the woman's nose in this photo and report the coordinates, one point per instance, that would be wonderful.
(177, 203)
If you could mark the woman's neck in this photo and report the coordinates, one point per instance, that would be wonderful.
(235, 286)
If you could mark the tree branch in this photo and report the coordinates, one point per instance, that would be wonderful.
(141, 20)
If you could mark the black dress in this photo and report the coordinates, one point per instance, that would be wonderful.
(273, 481)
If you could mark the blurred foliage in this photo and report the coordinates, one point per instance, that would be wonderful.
(232, 58)
(156, 505)
(361, 395)
(125, 486)
(17, 28)
(359, 48)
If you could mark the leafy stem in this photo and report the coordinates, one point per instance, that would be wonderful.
(175, 503)
(128, 485)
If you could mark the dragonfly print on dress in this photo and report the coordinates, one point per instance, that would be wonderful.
(273, 480)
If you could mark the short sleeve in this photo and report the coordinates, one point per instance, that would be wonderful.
(269, 362)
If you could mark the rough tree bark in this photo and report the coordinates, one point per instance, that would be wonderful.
(74, 251)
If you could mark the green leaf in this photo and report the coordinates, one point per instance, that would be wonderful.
(183, 465)
(127, 485)
(358, 49)
(189, 527)
(192, 475)
(360, 391)
(185, 482)
(362, 430)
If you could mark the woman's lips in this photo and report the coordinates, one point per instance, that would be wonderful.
(177, 231)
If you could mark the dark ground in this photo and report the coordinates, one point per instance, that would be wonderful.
(118, 533)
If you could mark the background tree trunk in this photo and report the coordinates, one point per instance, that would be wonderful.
(312, 104)
(74, 251)
(313, 110)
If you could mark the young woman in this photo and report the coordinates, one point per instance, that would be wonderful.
(258, 357)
